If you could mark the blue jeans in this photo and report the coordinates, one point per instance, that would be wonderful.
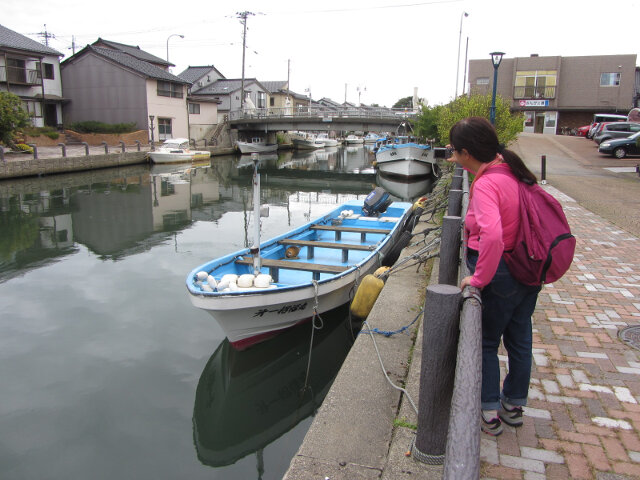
(507, 306)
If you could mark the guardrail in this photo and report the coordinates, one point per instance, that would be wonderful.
(320, 112)
(449, 402)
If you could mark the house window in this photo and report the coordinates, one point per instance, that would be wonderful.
(164, 128)
(169, 89)
(16, 70)
(272, 101)
(194, 108)
(610, 79)
(535, 84)
(262, 100)
(482, 81)
(34, 109)
(48, 71)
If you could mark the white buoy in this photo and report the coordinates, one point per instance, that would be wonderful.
(246, 280)
(202, 276)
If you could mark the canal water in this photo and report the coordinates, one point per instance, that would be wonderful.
(106, 369)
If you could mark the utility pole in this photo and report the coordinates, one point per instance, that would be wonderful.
(243, 16)
(46, 35)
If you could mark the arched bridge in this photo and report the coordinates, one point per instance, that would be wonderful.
(319, 119)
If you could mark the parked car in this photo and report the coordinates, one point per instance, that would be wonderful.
(582, 131)
(616, 130)
(621, 147)
(604, 117)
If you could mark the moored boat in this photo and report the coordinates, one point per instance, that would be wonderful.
(177, 150)
(324, 139)
(289, 278)
(405, 158)
(353, 140)
(256, 145)
(306, 143)
(371, 138)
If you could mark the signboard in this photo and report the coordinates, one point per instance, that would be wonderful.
(534, 103)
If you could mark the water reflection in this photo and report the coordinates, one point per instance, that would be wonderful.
(245, 400)
(406, 189)
(121, 212)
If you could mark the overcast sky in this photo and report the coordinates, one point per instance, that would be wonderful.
(383, 47)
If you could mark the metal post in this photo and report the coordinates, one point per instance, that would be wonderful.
(106, 147)
(2, 155)
(455, 203)
(543, 170)
(35, 150)
(124, 148)
(492, 114)
(86, 148)
(64, 149)
(440, 337)
(449, 250)
(456, 182)
(138, 144)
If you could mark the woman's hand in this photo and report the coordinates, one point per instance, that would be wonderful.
(449, 154)
(466, 282)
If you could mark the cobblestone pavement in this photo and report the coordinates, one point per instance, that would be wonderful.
(583, 416)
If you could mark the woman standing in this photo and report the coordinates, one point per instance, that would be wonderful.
(491, 225)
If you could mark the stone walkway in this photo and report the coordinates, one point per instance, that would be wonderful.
(583, 417)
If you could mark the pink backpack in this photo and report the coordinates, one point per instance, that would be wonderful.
(544, 246)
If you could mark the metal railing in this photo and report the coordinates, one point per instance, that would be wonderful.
(20, 75)
(534, 92)
(321, 112)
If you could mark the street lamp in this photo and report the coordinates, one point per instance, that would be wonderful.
(172, 35)
(151, 117)
(496, 58)
(464, 14)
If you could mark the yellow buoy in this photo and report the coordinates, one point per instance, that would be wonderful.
(381, 271)
(366, 295)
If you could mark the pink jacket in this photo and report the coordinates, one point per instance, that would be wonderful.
(492, 220)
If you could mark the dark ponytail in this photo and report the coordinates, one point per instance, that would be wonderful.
(478, 137)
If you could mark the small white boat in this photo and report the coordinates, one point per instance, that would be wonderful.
(406, 189)
(402, 157)
(256, 145)
(177, 150)
(283, 281)
(324, 139)
(353, 140)
(306, 143)
(371, 138)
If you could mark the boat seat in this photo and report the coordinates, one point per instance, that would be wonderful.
(311, 244)
(275, 265)
(339, 229)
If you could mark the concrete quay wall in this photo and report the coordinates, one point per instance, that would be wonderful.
(48, 166)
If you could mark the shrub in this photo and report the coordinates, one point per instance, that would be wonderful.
(23, 147)
(92, 126)
(50, 132)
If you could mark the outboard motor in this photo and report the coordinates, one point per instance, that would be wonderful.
(376, 202)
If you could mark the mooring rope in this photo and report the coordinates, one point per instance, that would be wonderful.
(313, 329)
(389, 333)
(384, 370)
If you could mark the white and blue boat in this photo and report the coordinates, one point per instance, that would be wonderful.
(255, 292)
(403, 157)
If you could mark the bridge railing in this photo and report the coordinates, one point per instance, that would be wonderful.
(320, 112)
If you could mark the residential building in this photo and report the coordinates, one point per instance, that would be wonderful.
(116, 83)
(558, 93)
(203, 109)
(228, 92)
(31, 71)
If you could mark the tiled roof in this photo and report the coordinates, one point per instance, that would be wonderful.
(131, 50)
(193, 74)
(11, 39)
(126, 60)
(274, 86)
(222, 87)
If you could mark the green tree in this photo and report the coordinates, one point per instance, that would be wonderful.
(12, 117)
(508, 124)
(406, 102)
(426, 123)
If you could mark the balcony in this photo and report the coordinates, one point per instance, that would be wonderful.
(19, 76)
(534, 92)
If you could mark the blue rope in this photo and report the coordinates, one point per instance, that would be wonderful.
(388, 333)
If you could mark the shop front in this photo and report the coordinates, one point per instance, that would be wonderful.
(536, 120)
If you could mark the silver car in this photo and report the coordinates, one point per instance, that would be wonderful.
(616, 130)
